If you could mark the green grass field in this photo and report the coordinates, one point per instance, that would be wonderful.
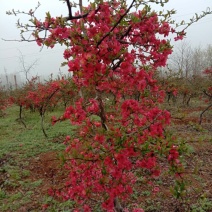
(20, 148)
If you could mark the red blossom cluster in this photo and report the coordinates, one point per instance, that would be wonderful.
(36, 94)
(113, 52)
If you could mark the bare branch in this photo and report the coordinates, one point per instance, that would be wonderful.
(207, 94)
(26, 69)
(201, 115)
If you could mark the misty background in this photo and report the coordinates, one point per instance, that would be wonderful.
(48, 61)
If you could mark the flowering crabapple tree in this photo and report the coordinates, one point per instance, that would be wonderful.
(112, 48)
(39, 97)
(46, 95)
(18, 97)
(67, 90)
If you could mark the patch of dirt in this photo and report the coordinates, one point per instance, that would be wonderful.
(45, 172)
(49, 167)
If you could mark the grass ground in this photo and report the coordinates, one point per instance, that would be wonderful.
(29, 161)
(30, 164)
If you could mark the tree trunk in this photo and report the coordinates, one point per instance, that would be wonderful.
(20, 115)
(200, 117)
(117, 205)
(42, 125)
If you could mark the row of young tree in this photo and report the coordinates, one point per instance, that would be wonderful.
(113, 50)
(42, 96)
(188, 76)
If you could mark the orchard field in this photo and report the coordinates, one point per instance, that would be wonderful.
(31, 164)
(123, 131)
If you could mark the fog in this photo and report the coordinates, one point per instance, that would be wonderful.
(49, 60)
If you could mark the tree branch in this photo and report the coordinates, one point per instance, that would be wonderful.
(116, 24)
(69, 8)
(207, 94)
(70, 17)
(200, 117)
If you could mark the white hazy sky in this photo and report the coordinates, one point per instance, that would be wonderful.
(49, 60)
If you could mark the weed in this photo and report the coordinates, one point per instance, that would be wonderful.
(15, 196)
(35, 183)
(203, 205)
(146, 193)
(53, 204)
(2, 194)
